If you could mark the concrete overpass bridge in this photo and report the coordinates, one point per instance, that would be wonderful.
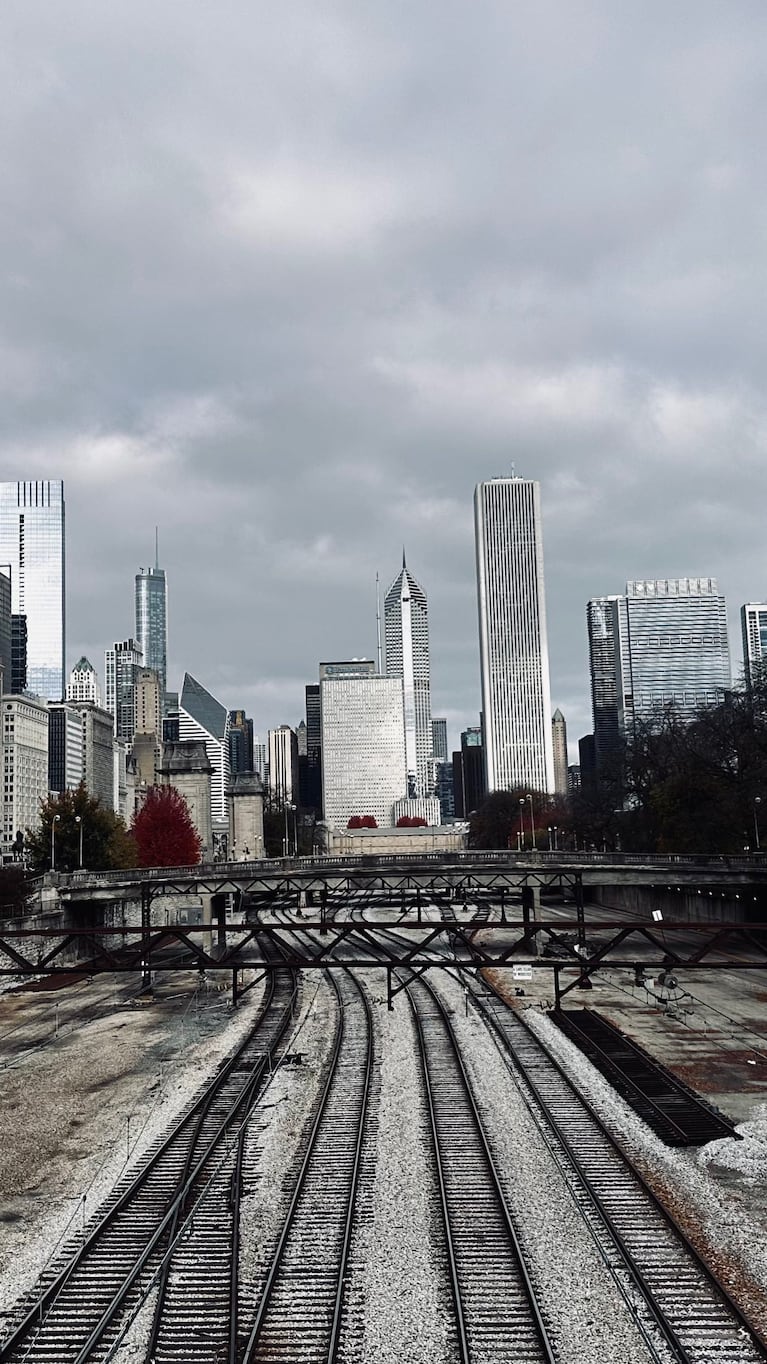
(470, 871)
(483, 908)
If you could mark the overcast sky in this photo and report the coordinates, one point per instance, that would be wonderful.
(289, 279)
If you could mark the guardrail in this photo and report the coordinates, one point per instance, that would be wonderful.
(568, 861)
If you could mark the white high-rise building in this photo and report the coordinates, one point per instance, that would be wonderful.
(753, 623)
(363, 744)
(25, 767)
(83, 684)
(201, 716)
(406, 630)
(514, 655)
(283, 765)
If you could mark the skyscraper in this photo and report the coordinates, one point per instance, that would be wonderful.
(610, 670)
(753, 623)
(152, 622)
(121, 667)
(439, 739)
(406, 631)
(201, 716)
(83, 684)
(363, 743)
(32, 544)
(559, 743)
(663, 645)
(514, 656)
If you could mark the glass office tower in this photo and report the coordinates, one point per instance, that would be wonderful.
(152, 623)
(32, 545)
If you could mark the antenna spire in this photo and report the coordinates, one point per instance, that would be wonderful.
(378, 621)
(157, 547)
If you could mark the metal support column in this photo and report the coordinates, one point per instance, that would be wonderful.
(146, 924)
(503, 904)
(234, 988)
(418, 903)
(557, 995)
(323, 909)
(578, 888)
(389, 995)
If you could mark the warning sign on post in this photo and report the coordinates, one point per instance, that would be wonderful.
(522, 972)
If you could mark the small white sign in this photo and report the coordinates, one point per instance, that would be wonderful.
(657, 915)
(522, 972)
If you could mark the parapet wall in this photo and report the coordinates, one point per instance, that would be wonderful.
(684, 903)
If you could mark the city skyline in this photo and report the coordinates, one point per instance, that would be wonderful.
(538, 244)
(457, 721)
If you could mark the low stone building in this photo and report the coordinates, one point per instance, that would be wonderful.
(442, 838)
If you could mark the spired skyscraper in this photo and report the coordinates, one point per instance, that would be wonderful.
(32, 545)
(152, 621)
(406, 632)
(513, 646)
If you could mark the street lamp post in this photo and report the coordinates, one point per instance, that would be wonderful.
(757, 803)
(286, 841)
(532, 822)
(54, 822)
(79, 823)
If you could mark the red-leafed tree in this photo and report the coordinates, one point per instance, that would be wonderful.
(163, 830)
(362, 822)
(411, 822)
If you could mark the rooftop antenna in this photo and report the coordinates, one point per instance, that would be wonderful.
(513, 469)
(378, 621)
(157, 547)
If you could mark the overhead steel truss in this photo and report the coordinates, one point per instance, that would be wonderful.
(320, 942)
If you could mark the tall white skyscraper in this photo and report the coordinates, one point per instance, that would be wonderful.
(753, 623)
(32, 545)
(513, 646)
(406, 631)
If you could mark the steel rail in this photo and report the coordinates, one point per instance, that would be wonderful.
(323, 1108)
(182, 1130)
(531, 1079)
(540, 1334)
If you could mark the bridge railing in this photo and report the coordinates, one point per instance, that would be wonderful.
(568, 861)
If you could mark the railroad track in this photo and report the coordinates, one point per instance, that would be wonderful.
(299, 1308)
(75, 1311)
(683, 1302)
(497, 1313)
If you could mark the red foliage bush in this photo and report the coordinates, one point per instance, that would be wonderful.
(163, 830)
(411, 822)
(362, 822)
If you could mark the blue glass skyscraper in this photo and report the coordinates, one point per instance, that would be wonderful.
(32, 544)
(152, 622)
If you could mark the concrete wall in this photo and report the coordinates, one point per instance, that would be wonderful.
(676, 904)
